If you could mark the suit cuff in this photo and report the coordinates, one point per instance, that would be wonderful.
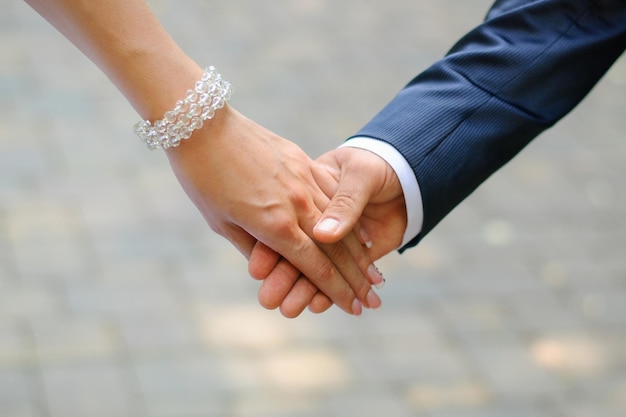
(410, 187)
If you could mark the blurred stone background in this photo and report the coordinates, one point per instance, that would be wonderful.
(117, 300)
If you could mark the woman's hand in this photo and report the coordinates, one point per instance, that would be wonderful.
(366, 196)
(252, 185)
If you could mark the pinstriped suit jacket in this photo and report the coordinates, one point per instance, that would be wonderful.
(526, 66)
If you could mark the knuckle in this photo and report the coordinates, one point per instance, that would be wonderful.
(320, 303)
(362, 288)
(325, 273)
(338, 253)
(351, 266)
(299, 198)
(344, 203)
(282, 223)
(362, 259)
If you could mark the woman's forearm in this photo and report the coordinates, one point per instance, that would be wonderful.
(247, 182)
(128, 43)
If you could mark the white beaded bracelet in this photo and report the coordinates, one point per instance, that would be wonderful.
(210, 93)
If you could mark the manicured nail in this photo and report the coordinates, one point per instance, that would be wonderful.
(365, 238)
(373, 300)
(327, 225)
(376, 278)
(357, 307)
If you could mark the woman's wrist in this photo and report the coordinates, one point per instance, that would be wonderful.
(199, 104)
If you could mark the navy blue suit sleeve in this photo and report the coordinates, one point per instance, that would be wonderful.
(526, 66)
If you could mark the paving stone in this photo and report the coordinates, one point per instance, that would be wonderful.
(64, 341)
(19, 302)
(154, 332)
(89, 390)
(16, 347)
(380, 401)
(19, 394)
(21, 411)
(187, 385)
(513, 375)
(116, 299)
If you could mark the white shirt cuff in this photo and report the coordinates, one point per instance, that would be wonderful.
(410, 187)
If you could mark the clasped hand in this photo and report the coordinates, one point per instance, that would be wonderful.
(310, 229)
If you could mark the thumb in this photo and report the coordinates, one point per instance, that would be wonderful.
(344, 209)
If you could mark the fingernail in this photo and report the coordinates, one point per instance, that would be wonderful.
(373, 300)
(327, 225)
(365, 238)
(376, 278)
(357, 307)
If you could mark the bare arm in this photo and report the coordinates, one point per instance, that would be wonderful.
(128, 43)
(266, 193)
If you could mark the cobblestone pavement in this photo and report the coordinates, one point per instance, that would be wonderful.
(116, 300)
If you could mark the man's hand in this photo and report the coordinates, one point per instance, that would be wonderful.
(252, 185)
(366, 197)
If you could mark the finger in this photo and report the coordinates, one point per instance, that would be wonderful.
(262, 261)
(361, 255)
(358, 256)
(327, 178)
(331, 268)
(352, 263)
(344, 289)
(298, 298)
(289, 238)
(278, 284)
(345, 208)
(320, 303)
(242, 240)
(363, 235)
(283, 288)
(360, 250)
(280, 277)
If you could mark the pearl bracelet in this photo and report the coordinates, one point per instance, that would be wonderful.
(210, 93)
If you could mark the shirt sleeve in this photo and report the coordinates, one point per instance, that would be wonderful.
(410, 186)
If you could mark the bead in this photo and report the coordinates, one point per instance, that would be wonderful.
(208, 113)
(218, 102)
(209, 94)
(191, 97)
(196, 123)
(170, 116)
(186, 118)
(173, 130)
(204, 98)
(186, 133)
(195, 109)
(159, 126)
